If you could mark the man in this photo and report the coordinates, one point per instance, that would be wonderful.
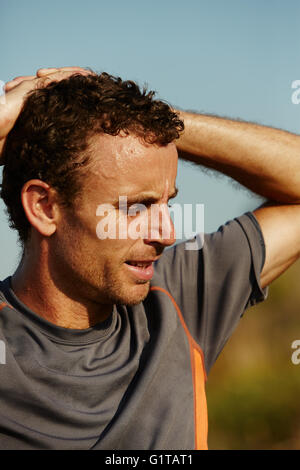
(108, 339)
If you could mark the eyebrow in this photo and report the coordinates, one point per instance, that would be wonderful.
(146, 198)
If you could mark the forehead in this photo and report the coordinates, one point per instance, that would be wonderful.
(126, 165)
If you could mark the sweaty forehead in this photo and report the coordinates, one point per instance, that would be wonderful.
(123, 151)
(128, 165)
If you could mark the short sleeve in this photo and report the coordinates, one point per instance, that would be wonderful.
(214, 285)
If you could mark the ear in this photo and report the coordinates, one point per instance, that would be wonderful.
(40, 205)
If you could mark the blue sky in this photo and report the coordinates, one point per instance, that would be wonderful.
(235, 58)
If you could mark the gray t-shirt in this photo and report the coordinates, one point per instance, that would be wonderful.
(135, 381)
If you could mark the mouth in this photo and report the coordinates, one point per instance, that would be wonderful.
(141, 269)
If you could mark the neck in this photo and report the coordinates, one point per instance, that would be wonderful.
(35, 287)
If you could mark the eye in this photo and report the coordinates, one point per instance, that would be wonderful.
(136, 209)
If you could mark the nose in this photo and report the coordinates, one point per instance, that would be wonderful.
(160, 228)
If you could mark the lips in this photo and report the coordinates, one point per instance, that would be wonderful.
(140, 264)
(141, 269)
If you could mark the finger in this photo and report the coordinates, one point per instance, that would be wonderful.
(43, 73)
(16, 81)
(47, 71)
(43, 80)
(57, 76)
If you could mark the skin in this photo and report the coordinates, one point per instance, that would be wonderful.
(79, 275)
(263, 159)
(17, 89)
(266, 161)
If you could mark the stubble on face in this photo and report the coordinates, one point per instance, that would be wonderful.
(94, 273)
(93, 269)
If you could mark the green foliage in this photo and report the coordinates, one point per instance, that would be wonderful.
(253, 389)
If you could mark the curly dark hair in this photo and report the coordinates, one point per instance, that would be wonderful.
(49, 140)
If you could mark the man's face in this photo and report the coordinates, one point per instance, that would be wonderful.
(116, 270)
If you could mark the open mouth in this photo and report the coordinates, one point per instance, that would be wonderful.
(139, 264)
(141, 269)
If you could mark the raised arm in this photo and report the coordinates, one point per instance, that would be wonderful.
(265, 160)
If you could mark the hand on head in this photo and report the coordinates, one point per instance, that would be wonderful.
(17, 89)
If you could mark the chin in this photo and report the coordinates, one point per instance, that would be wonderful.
(133, 296)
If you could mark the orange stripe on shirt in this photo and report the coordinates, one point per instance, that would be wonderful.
(201, 419)
(199, 378)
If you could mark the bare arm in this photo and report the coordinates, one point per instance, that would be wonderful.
(265, 160)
